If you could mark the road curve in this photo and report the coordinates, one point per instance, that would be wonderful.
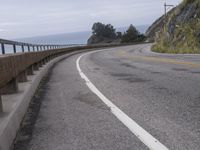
(159, 92)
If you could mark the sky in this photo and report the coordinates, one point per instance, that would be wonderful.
(28, 18)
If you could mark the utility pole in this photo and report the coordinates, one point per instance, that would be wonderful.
(166, 6)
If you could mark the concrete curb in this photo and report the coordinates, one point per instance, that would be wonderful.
(17, 104)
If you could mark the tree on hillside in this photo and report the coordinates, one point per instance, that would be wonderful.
(102, 30)
(119, 35)
(132, 35)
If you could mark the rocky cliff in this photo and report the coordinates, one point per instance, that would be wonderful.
(181, 32)
(156, 27)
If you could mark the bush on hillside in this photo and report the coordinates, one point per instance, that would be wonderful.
(103, 30)
(132, 35)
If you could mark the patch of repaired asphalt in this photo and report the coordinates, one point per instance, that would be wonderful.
(179, 69)
(90, 99)
(96, 68)
(134, 79)
(156, 72)
(131, 78)
(121, 75)
(195, 72)
(128, 65)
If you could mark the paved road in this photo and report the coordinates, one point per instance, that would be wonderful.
(161, 93)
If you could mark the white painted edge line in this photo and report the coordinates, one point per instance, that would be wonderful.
(138, 131)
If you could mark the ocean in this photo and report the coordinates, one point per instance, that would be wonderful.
(70, 38)
(65, 38)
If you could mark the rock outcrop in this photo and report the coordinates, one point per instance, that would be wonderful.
(156, 27)
(181, 32)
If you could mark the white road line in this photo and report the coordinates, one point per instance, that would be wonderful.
(143, 135)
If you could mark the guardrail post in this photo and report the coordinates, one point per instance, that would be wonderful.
(36, 66)
(2, 48)
(44, 61)
(11, 87)
(28, 48)
(30, 70)
(14, 48)
(22, 77)
(1, 104)
(47, 59)
(23, 48)
(40, 63)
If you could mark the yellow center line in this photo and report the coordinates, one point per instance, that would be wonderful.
(156, 59)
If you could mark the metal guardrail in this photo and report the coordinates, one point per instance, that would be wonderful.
(30, 47)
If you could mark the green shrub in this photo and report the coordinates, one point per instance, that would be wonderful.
(132, 35)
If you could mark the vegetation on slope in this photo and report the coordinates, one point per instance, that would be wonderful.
(181, 33)
(132, 35)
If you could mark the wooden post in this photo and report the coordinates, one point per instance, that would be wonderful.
(14, 48)
(2, 48)
(11, 87)
(30, 70)
(28, 48)
(22, 77)
(36, 66)
(23, 48)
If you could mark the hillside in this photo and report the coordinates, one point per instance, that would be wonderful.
(181, 33)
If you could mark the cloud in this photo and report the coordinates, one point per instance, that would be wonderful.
(21, 18)
(1, 30)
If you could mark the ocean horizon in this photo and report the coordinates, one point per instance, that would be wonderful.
(79, 38)
(70, 38)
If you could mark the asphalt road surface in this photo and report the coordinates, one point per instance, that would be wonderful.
(158, 92)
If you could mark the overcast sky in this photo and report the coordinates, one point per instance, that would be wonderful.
(27, 18)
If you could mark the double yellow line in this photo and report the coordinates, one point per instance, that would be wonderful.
(158, 59)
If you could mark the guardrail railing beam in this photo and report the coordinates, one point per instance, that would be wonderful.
(30, 47)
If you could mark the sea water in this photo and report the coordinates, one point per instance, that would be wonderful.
(78, 38)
